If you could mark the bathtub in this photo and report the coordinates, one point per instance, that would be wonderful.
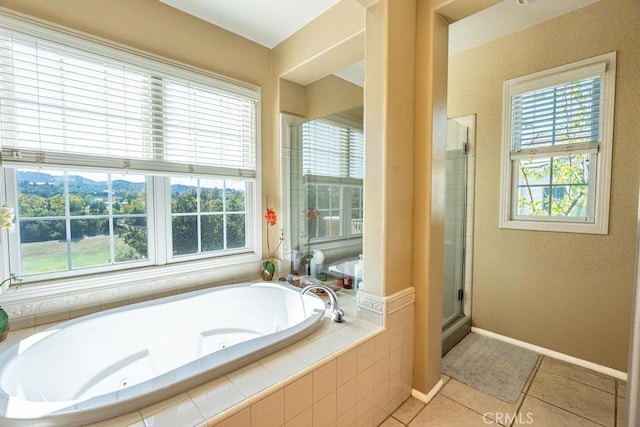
(113, 362)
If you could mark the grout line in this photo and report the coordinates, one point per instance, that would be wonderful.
(525, 391)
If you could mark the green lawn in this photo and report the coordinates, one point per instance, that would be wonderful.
(41, 257)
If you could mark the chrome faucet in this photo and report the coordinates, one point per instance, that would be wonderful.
(337, 314)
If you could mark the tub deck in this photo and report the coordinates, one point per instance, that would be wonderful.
(210, 403)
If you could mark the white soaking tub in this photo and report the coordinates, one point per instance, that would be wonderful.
(109, 363)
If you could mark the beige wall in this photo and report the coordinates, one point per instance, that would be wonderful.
(566, 292)
(331, 95)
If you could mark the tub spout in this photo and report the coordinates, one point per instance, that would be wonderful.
(337, 314)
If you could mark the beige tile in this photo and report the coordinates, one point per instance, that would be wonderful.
(298, 396)
(381, 345)
(395, 389)
(381, 403)
(381, 371)
(391, 422)
(620, 411)
(252, 379)
(444, 412)
(408, 410)
(532, 375)
(348, 419)
(622, 388)
(283, 364)
(364, 411)
(324, 380)
(366, 353)
(366, 382)
(182, 413)
(395, 403)
(578, 373)
(347, 397)
(480, 402)
(303, 419)
(324, 411)
(538, 413)
(268, 412)
(241, 419)
(445, 379)
(216, 396)
(578, 398)
(347, 367)
(395, 361)
(379, 416)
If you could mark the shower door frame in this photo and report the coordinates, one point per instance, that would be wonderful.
(469, 121)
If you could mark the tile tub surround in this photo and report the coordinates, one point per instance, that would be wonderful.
(354, 373)
(29, 307)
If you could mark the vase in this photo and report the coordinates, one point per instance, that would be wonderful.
(4, 324)
(266, 275)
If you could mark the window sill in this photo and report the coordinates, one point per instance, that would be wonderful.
(559, 227)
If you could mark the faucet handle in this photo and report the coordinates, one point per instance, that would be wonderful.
(338, 315)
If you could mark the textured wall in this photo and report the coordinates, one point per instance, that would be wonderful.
(563, 291)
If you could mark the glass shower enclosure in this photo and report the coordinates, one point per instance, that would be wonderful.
(454, 224)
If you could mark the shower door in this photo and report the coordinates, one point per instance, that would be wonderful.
(454, 223)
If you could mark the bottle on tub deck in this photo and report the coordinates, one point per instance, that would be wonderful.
(357, 272)
(316, 264)
(347, 281)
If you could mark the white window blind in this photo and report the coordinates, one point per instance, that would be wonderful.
(62, 105)
(332, 150)
(563, 114)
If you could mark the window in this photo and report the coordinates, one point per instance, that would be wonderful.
(116, 160)
(556, 151)
(333, 169)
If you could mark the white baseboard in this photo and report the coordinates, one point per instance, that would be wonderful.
(426, 398)
(555, 354)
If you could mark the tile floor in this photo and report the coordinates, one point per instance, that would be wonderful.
(556, 394)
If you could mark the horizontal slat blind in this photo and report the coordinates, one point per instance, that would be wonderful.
(562, 114)
(60, 101)
(332, 150)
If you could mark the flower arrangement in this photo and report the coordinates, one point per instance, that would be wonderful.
(7, 214)
(6, 217)
(271, 218)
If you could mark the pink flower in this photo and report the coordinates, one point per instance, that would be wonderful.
(271, 217)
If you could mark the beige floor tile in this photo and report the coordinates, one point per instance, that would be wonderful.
(578, 373)
(532, 375)
(408, 410)
(391, 422)
(620, 412)
(445, 379)
(622, 388)
(480, 402)
(538, 413)
(444, 412)
(578, 398)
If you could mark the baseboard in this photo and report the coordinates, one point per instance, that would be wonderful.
(426, 398)
(555, 354)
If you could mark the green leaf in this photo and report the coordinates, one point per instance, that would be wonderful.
(269, 266)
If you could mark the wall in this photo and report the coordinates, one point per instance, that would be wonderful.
(567, 292)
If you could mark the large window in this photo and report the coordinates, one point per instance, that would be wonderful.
(116, 160)
(557, 148)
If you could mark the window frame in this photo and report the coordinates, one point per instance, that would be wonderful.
(600, 168)
(158, 202)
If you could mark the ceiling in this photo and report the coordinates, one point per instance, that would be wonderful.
(269, 22)
(266, 22)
